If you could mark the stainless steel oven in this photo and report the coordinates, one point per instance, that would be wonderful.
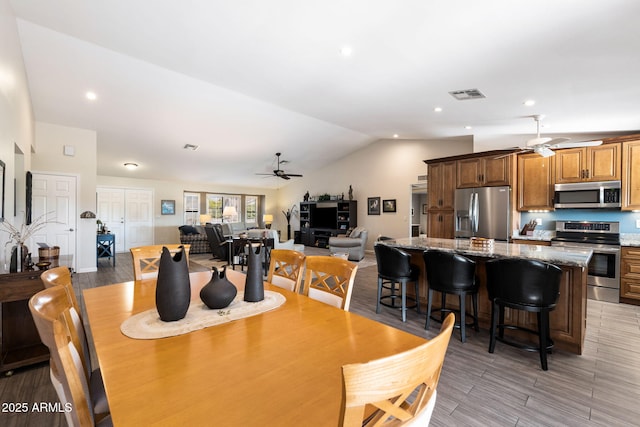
(603, 238)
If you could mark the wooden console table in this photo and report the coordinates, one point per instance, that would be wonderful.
(20, 343)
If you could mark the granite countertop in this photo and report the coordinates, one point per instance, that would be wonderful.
(629, 239)
(550, 254)
(542, 235)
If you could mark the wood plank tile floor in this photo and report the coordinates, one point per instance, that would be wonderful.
(507, 388)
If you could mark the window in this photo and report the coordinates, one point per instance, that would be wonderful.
(191, 208)
(216, 203)
(251, 209)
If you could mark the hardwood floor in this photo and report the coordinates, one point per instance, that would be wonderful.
(507, 388)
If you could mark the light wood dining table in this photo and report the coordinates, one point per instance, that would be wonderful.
(279, 368)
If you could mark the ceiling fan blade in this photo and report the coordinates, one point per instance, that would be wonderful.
(284, 176)
(294, 174)
(576, 144)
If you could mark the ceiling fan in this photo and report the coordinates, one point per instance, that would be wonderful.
(279, 172)
(544, 146)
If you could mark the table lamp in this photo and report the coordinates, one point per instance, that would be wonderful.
(204, 218)
(228, 212)
(267, 219)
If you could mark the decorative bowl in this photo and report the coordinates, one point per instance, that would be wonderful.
(43, 265)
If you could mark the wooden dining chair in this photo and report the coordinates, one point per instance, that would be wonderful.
(52, 314)
(286, 269)
(146, 259)
(329, 279)
(400, 388)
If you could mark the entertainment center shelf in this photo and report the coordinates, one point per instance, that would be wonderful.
(323, 219)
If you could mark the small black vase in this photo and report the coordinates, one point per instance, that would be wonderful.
(254, 286)
(173, 291)
(219, 292)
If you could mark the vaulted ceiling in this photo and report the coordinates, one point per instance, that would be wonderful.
(245, 79)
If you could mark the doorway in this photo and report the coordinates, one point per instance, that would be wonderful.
(54, 197)
(417, 214)
(128, 214)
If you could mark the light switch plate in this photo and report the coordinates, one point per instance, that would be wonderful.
(69, 150)
(637, 223)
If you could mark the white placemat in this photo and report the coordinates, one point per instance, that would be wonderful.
(147, 325)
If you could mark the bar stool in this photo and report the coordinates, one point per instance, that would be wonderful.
(394, 266)
(450, 273)
(527, 285)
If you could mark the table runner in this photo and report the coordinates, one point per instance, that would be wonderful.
(147, 325)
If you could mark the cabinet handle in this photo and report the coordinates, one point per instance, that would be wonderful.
(588, 173)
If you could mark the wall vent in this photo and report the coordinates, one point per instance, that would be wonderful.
(422, 177)
(463, 95)
(191, 147)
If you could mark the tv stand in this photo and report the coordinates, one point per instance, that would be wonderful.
(312, 230)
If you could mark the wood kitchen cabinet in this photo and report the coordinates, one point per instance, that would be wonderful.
(488, 171)
(535, 182)
(441, 185)
(601, 163)
(440, 224)
(631, 175)
(630, 275)
(441, 193)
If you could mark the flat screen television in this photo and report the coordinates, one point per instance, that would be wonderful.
(324, 215)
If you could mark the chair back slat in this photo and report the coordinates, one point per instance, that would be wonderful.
(146, 259)
(329, 279)
(399, 387)
(286, 269)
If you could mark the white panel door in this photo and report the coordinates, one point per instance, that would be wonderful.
(110, 205)
(55, 197)
(138, 218)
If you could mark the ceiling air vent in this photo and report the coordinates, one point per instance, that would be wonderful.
(191, 147)
(462, 95)
(422, 177)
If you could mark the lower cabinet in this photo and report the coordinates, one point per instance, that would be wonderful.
(630, 275)
(441, 224)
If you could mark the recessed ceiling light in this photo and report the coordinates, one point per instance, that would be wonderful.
(468, 127)
(529, 102)
(437, 109)
(130, 165)
(91, 96)
(395, 135)
(346, 50)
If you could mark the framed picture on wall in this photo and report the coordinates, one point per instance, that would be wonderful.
(2, 167)
(373, 206)
(389, 205)
(168, 207)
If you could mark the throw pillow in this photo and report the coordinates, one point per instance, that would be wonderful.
(187, 229)
(355, 233)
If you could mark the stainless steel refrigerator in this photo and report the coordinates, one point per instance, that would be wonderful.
(483, 212)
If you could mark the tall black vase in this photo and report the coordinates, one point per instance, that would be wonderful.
(173, 291)
(254, 286)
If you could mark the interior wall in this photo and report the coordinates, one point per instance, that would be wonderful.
(166, 226)
(48, 157)
(16, 117)
(384, 169)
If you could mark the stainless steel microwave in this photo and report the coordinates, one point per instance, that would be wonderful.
(587, 195)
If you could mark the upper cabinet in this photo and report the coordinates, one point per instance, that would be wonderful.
(631, 175)
(441, 185)
(488, 171)
(601, 163)
(535, 182)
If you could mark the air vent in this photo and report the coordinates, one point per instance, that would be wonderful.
(422, 177)
(191, 147)
(463, 95)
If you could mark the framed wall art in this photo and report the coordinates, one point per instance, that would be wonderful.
(168, 207)
(389, 205)
(373, 205)
(2, 175)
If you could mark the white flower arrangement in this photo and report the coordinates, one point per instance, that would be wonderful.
(21, 234)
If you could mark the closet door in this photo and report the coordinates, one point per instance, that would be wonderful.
(110, 203)
(127, 213)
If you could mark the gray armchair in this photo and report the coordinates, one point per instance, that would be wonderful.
(354, 244)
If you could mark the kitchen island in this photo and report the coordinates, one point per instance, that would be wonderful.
(568, 320)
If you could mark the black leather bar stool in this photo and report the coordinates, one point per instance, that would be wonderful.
(527, 285)
(394, 267)
(450, 273)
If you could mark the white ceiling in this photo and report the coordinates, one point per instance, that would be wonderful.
(244, 79)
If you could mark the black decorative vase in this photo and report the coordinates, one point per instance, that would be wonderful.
(219, 292)
(254, 286)
(18, 260)
(173, 291)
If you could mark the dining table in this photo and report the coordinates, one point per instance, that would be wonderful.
(278, 368)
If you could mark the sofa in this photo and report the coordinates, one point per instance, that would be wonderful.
(352, 243)
(258, 233)
(195, 236)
